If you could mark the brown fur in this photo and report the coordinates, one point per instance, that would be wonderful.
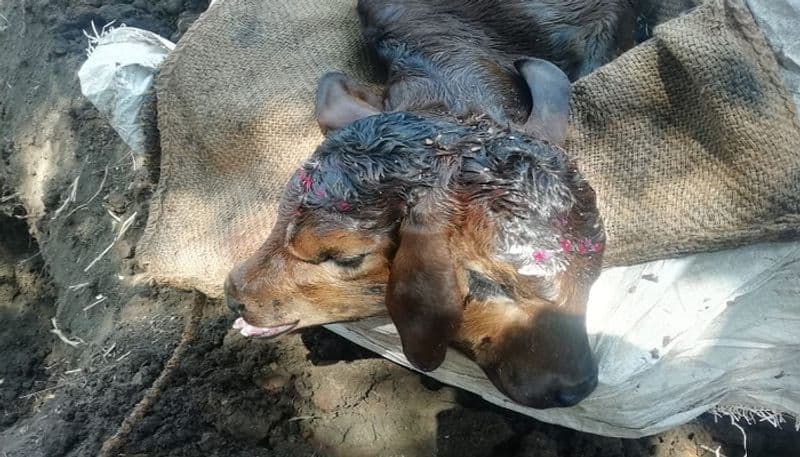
(288, 281)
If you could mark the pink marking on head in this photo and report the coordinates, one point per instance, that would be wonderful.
(305, 180)
(566, 245)
(541, 256)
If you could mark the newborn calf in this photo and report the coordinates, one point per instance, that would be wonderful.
(464, 220)
(469, 232)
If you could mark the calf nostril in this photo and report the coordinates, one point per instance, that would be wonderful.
(568, 398)
(572, 395)
(235, 305)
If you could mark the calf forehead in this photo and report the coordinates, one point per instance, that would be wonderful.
(533, 247)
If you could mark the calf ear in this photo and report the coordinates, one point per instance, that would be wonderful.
(341, 100)
(550, 90)
(424, 296)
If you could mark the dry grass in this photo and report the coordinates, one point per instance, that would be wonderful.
(57, 332)
(4, 23)
(126, 224)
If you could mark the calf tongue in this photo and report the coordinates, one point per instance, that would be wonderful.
(262, 332)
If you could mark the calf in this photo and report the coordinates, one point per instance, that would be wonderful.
(471, 234)
(447, 201)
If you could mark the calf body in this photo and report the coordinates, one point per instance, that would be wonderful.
(459, 54)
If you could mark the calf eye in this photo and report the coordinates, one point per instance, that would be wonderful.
(350, 262)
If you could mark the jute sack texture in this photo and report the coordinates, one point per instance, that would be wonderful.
(235, 116)
(690, 139)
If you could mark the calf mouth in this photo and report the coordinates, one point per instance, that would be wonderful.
(273, 331)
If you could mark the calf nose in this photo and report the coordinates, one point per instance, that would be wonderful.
(235, 305)
(572, 395)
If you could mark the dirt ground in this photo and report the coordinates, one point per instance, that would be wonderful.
(67, 184)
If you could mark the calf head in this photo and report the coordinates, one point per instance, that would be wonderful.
(467, 232)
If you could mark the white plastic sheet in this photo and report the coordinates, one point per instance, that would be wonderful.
(780, 21)
(118, 75)
(674, 338)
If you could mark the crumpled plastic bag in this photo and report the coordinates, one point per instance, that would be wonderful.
(118, 77)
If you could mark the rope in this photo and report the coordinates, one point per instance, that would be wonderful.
(112, 445)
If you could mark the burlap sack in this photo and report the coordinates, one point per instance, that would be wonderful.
(235, 114)
(689, 139)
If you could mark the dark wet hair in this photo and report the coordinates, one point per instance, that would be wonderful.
(374, 162)
(380, 162)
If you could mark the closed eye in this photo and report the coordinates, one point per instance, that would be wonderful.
(349, 262)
